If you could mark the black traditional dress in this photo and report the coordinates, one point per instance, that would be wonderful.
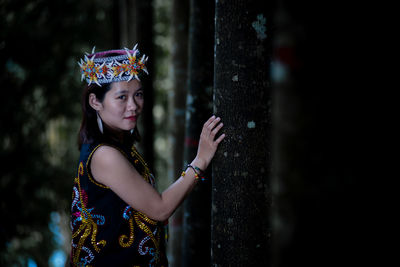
(106, 231)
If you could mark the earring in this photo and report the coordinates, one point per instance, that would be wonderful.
(132, 130)
(99, 122)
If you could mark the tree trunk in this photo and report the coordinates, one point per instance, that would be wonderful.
(146, 46)
(123, 15)
(127, 15)
(135, 25)
(132, 8)
(196, 233)
(177, 104)
(241, 199)
(116, 22)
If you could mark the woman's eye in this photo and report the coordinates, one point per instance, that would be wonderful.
(123, 97)
(140, 94)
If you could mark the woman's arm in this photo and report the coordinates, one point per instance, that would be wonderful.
(112, 169)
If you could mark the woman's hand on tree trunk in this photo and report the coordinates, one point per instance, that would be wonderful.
(208, 144)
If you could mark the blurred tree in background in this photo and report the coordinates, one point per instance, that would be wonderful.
(196, 231)
(40, 43)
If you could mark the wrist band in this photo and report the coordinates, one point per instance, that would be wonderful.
(197, 172)
(196, 168)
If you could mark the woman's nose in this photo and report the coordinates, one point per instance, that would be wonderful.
(132, 104)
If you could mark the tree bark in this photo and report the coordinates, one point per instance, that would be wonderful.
(135, 25)
(127, 15)
(177, 104)
(196, 233)
(146, 46)
(132, 19)
(123, 15)
(241, 199)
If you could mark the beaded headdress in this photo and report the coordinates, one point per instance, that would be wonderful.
(123, 65)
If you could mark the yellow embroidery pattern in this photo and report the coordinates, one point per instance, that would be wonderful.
(139, 217)
(146, 173)
(131, 236)
(146, 229)
(88, 226)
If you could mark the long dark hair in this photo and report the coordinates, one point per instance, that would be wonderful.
(89, 131)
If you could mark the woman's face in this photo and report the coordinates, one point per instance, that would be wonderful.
(122, 105)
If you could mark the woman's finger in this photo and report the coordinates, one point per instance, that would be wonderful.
(219, 139)
(209, 121)
(213, 123)
(216, 129)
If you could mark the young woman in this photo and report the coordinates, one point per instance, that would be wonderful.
(117, 215)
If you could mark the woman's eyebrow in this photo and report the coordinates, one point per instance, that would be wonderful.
(124, 91)
(121, 92)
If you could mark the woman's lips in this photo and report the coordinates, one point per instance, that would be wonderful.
(131, 118)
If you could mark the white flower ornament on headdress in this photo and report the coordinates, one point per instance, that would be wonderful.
(125, 66)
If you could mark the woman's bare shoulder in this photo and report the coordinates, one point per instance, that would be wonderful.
(106, 153)
(109, 162)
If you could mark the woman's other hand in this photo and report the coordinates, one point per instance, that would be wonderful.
(208, 144)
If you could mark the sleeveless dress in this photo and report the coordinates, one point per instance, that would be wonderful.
(106, 231)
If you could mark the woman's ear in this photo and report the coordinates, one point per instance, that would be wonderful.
(94, 102)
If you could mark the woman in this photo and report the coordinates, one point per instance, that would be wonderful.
(117, 215)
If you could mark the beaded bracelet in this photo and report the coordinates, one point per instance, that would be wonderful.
(196, 176)
(197, 172)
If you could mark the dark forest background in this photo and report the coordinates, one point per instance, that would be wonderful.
(41, 42)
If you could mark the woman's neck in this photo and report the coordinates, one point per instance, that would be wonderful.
(115, 135)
